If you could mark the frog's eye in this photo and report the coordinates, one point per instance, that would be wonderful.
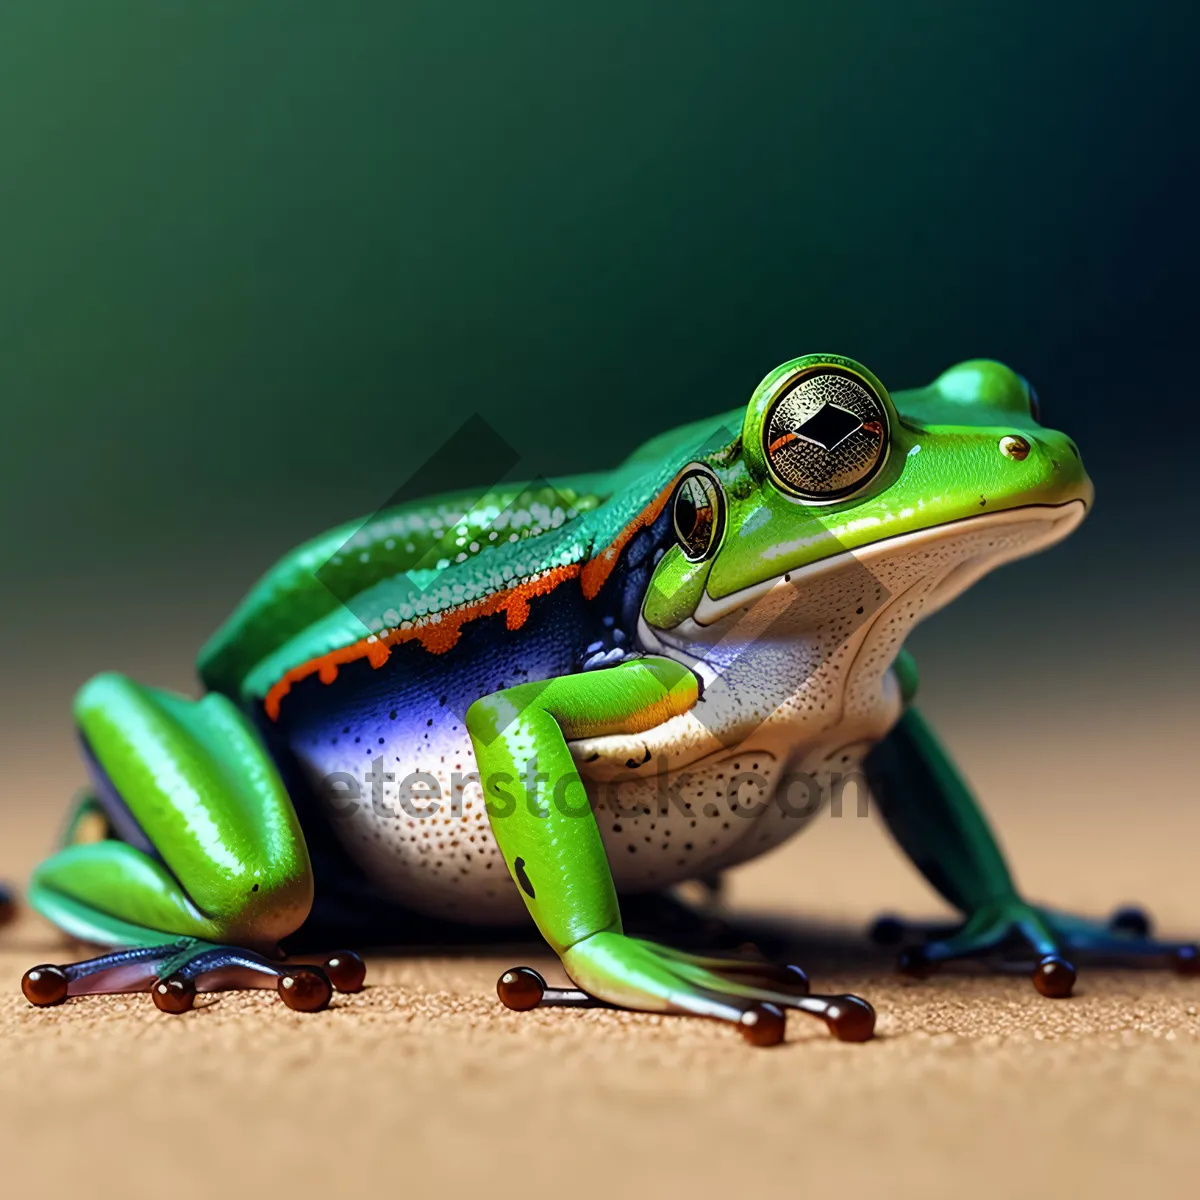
(698, 514)
(825, 434)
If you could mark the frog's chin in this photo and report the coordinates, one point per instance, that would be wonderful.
(827, 611)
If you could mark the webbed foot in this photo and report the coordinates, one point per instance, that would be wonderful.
(1011, 930)
(173, 974)
(630, 973)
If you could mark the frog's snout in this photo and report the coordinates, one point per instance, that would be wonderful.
(1055, 458)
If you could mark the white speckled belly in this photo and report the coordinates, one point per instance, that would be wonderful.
(798, 688)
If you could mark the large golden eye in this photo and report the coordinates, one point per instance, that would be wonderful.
(826, 434)
(698, 514)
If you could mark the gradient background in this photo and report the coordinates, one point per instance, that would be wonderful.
(258, 260)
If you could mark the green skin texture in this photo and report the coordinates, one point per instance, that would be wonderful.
(232, 865)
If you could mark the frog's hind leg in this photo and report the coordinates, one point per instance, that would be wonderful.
(205, 868)
(936, 820)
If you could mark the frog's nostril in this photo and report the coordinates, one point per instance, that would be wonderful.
(1074, 450)
(1014, 447)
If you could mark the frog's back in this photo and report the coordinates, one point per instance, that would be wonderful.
(419, 542)
(414, 562)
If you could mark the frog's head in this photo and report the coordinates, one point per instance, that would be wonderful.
(831, 473)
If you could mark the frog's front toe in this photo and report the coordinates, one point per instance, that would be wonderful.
(749, 992)
(176, 972)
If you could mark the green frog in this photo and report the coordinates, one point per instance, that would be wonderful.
(553, 695)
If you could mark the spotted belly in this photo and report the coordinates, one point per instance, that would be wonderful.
(402, 794)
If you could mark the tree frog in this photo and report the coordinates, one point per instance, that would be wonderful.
(553, 695)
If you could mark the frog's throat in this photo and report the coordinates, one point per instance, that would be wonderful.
(1057, 521)
(812, 606)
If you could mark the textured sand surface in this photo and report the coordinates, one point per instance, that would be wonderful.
(976, 1085)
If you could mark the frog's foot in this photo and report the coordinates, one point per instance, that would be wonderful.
(631, 973)
(1010, 930)
(173, 973)
(8, 906)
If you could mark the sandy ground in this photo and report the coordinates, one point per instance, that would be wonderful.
(975, 1086)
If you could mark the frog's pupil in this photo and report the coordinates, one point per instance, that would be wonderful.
(685, 515)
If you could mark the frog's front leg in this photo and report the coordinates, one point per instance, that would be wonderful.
(207, 869)
(552, 846)
(932, 814)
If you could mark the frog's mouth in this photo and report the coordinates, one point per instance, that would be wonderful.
(1019, 532)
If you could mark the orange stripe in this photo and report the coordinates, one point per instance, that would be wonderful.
(439, 632)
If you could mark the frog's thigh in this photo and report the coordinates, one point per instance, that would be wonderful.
(212, 847)
(548, 835)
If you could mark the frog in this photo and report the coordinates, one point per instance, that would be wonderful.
(541, 701)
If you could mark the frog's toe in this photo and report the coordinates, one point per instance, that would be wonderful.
(1125, 939)
(346, 971)
(523, 988)
(749, 967)
(759, 990)
(1054, 976)
(1186, 960)
(1131, 920)
(173, 995)
(751, 993)
(176, 972)
(132, 970)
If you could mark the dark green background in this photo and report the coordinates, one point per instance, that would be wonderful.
(257, 260)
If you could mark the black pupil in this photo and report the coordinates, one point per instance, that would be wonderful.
(685, 515)
(695, 516)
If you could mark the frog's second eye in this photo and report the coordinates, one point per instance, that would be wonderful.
(698, 514)
(825, 434)
(1035, 405)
